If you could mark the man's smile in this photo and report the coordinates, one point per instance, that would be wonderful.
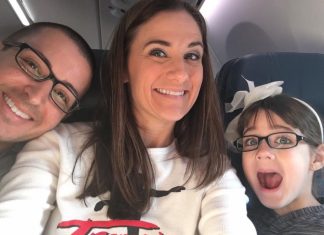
(14, 108)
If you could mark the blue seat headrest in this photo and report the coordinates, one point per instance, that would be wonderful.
(302, 73)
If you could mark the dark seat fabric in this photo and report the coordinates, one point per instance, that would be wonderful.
(89, 100)
(303, 76)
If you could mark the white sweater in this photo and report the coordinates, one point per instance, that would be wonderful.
(43, 174)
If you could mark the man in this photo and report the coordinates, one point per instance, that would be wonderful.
(45, 69)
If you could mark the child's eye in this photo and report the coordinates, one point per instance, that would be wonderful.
(250, 141)
(192, 56)
(283, 140)
(158, 53)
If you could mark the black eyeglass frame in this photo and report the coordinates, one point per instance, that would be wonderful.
(51, 76)
(266, 138)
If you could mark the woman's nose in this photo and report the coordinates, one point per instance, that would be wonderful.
(178, 70)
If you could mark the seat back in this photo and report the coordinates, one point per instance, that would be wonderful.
(303, 76)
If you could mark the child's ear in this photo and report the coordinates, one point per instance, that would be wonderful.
(318, 158)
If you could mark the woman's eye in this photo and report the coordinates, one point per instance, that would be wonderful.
(192, 56)
(157, 53)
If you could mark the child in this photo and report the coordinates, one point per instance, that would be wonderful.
(282, 146)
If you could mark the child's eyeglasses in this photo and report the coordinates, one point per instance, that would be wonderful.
(280, 140)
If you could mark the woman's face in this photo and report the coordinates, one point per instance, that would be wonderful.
(165, 68)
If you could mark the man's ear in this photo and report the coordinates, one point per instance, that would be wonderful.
(318, 158)
(125, 77)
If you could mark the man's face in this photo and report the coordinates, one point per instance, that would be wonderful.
(26, 109)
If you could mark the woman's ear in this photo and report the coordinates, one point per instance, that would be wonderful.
(318, 158)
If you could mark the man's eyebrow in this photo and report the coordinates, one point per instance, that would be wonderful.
(42, 56)
(165, 43)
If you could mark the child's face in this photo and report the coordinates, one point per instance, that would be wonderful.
(281, 178)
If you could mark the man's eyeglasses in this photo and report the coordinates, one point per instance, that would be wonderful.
(36, 66)
(280, 140)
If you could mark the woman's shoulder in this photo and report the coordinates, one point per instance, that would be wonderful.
(229, 184)
(230, 177)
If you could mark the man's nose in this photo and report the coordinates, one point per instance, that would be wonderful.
(38, 92)
(264, 151)
(178, 70)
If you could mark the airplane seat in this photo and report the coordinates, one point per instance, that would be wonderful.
(90, 99)
(303, 76)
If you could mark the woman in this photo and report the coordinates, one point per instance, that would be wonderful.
(165, 151)
(155, 162)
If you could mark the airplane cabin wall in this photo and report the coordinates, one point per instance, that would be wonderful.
(236, 27)
(239, 27)
(8, 20)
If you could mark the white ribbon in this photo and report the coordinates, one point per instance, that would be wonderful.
(243, 99)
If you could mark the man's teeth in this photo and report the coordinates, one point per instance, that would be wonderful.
(168, 92)
(14, 109)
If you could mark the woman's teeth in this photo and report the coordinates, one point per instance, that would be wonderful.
(168, 92)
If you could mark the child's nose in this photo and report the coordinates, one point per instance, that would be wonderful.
(264, 151)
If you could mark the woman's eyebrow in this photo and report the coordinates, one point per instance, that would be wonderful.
(157, 41)
(165, 43)
(197, 43)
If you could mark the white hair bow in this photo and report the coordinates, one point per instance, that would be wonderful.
(243, 99)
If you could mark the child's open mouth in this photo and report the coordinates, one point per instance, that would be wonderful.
(269, 180)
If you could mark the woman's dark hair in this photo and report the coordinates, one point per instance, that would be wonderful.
(35, 28)
(122, 164)
(290, 110)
